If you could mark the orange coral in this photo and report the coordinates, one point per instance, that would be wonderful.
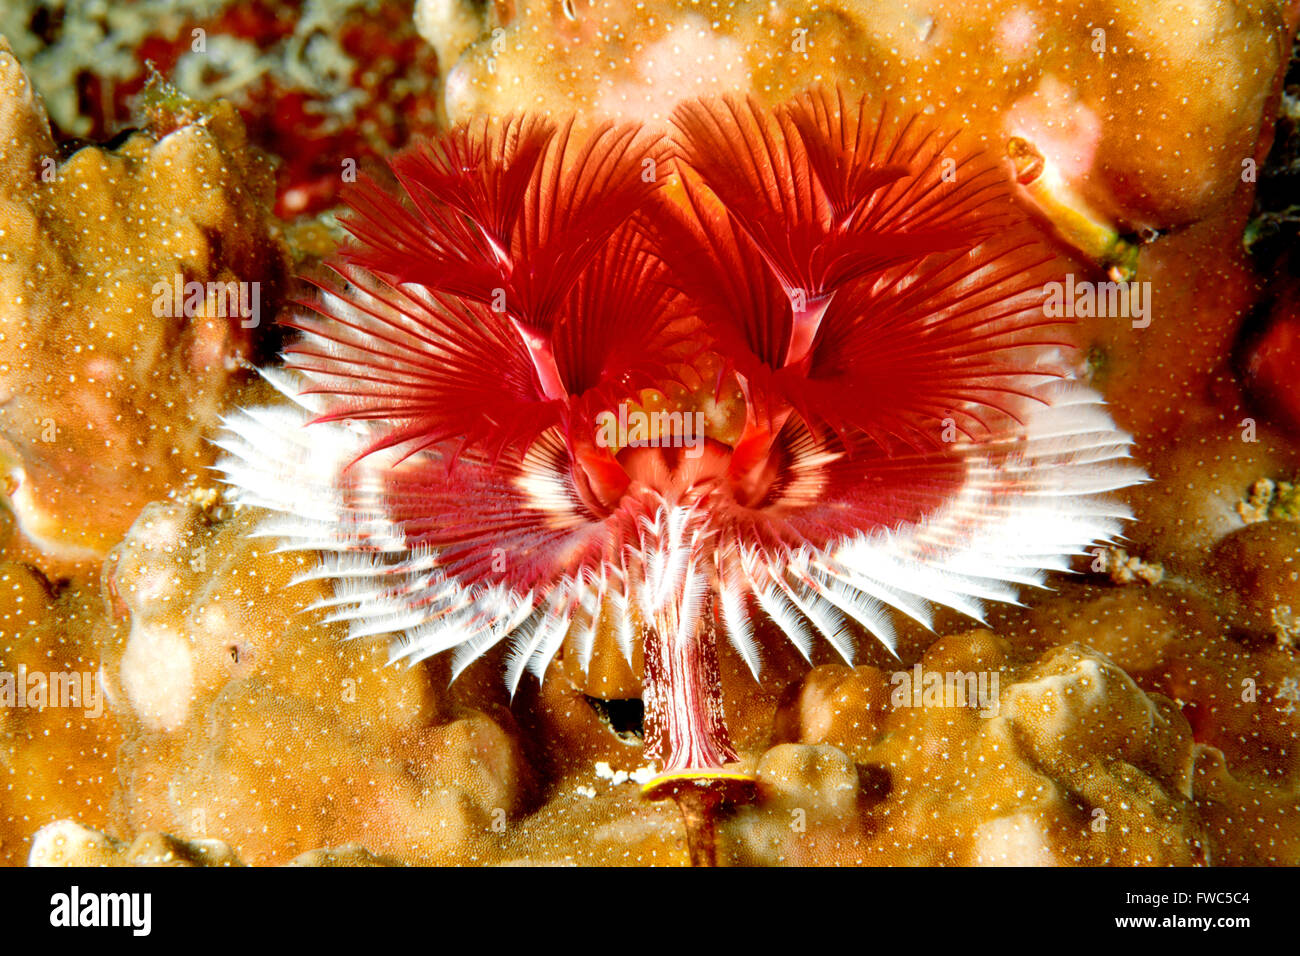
(104, 402)
(1239, 694)
(1070, 763)
(255, 724)
(55, 761)
(1146, 111)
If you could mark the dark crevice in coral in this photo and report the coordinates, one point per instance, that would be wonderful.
(875, 781)
(73, 144)
(1275, 225)
(46, 24)
(625, 718)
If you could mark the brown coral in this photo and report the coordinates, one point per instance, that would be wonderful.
(254, 724)
(1147, 111)
(66, 843)
(1072, 763)
(105, 397)
(57, 756)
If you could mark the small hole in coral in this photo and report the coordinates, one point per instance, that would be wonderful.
(625, 718)
(47, 24)
(875, 781)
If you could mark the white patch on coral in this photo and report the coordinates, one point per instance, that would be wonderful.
(158, 676)
(691, 60)
(605, 772)
(1017, 840)
(1066, 130)
(1018, 34)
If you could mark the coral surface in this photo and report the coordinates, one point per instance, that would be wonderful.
(113, 368)
(1148, 111)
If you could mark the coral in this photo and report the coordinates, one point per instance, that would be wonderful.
(1199, 481)
(251, 722)
(1070, 764)
(1102, 89)
(1118, 735)
(67, 843)
(57, 756)
(1259, 570)
(1237, 692)
(106, 394)
(270, 757)
(1137, 748)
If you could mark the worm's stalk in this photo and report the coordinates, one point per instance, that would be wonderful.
(686, 730)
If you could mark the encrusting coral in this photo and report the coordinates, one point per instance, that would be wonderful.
(267, 730)
(68, 844)
(55, 761)
(1129, 701)
(1146, 111)
(1237, 690)
(1067, 761)
(113, 368)
(1139, 719)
